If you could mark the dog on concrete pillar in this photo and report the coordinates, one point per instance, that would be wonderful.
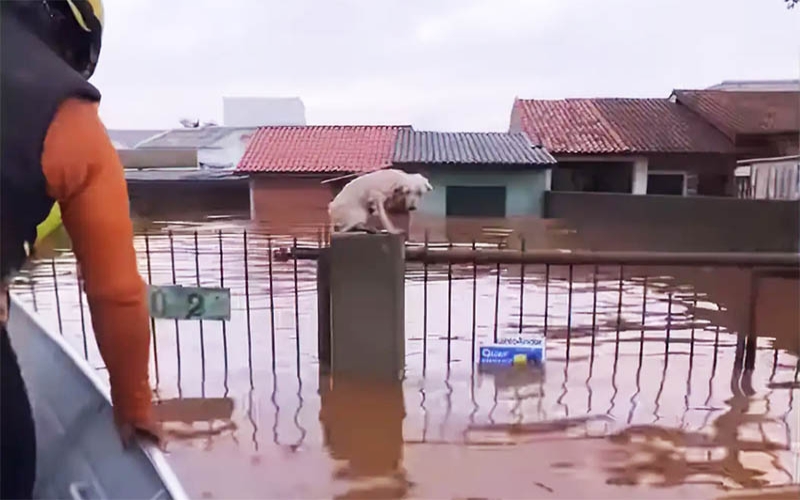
(373, 194)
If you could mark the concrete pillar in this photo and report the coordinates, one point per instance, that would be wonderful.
(367, 305)
(324, 310)
(639, 185)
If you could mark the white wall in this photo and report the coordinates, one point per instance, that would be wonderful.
(262, 111)
(639, 176)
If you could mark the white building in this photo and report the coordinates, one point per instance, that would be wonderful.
(769, 178)
(262, 111)
(216, 147)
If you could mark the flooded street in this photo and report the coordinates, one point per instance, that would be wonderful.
(638, 396)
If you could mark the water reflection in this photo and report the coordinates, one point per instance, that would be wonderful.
(616, 396)
(367, 444)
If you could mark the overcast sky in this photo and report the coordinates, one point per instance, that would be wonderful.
(434, 64)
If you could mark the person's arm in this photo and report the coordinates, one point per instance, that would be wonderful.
(84, 174)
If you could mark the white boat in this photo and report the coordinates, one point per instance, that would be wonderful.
(79, 453)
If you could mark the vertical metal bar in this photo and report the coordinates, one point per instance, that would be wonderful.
(58, 299)
(774, 359)
(669, 323)
(694, 320)
(497, 298)
(296, 306)
(449, 308)
(644, 315)
(569, 313)
(83, 318)
(474, 303)
(152, 319)
(222, 285)
(33, 293)
(200, 323)
(521, 286)
(271, 302)
(594, 306)
(546, 295)
(425, 309)
(177, 325)
(619, 309)
(752, 337)
(247, 307)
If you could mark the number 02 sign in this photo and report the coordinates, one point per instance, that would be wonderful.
(183, 302)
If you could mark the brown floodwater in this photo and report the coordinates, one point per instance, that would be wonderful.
(616, 410)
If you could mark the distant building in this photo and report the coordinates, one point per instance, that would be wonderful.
(759, 85)
(218, 148)
(128, 139)
(263, 111)
(477, 174)
(638, 146)
(295, 171)
(769, 178)
(686, 144)
(760, 124)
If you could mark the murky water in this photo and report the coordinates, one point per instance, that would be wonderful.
(617, 411)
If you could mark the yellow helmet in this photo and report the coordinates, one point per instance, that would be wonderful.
(82, 9)
(89, 16)
(72, 28)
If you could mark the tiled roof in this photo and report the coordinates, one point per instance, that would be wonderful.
(320, 149)
(614, 126)
(191, 138)
(497, 148)
(745, 112)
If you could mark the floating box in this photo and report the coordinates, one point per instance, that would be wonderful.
(513, 351)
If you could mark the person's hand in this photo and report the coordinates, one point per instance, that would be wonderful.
(150, 431)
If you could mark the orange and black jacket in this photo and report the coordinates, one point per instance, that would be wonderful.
(55, 148)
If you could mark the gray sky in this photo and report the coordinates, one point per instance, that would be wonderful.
(434, 64)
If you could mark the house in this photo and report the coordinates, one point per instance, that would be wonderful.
(639, 146)
(760, 85)
(761, 124)
(769, 178)
(184, 171)
(262, 111)
(295, 170)
(129, 138)
(476, 174)
(217, 147)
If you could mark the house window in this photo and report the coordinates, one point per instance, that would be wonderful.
(476, 201)
(666, 183)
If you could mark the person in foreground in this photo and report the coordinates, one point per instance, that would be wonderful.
(56, 149)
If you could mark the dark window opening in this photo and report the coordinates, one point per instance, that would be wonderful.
(665, 184)
(593, 177)
(476, 201)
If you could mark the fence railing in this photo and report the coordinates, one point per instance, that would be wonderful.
(626, 303)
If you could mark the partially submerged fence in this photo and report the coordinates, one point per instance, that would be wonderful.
(623, 303)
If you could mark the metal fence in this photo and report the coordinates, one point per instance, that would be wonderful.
(457, 297)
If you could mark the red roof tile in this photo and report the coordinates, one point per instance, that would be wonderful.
(319, 149)
(745, 112)
(614, 126)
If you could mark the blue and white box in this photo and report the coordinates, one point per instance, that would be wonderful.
(514, 351)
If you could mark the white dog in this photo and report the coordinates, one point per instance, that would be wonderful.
(373, 193)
